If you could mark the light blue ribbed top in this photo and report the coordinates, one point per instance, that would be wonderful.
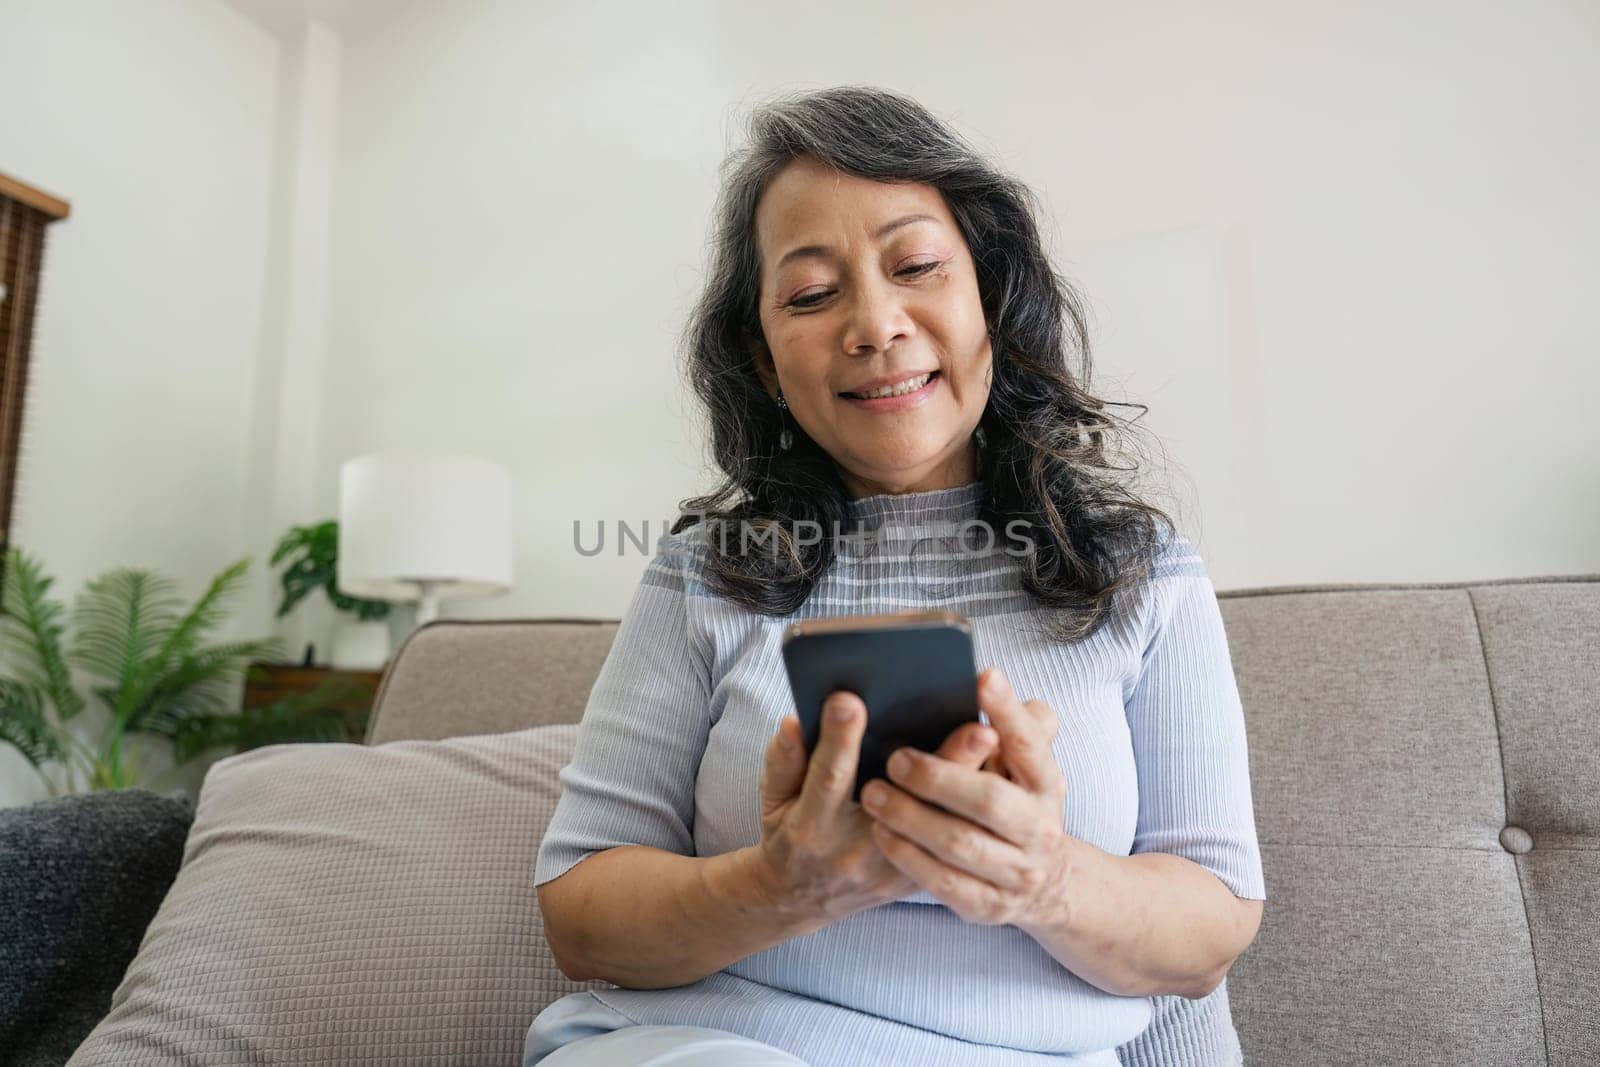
(1152, 745)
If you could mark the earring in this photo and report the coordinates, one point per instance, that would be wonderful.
(980, 437)
(785, 438)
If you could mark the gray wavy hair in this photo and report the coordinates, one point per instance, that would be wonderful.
(1056, 456)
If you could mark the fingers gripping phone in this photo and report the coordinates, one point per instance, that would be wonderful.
(914, 670)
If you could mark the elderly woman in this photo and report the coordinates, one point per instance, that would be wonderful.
(882, 348)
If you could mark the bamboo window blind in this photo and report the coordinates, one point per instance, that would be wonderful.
(25, 212)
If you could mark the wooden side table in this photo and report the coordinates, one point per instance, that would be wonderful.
(267, 683)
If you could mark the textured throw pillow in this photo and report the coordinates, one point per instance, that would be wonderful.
(350, 904)
(80, 879)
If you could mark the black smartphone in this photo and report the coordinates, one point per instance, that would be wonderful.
(914, 670)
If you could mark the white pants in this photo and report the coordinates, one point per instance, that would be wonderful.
(579, 1031)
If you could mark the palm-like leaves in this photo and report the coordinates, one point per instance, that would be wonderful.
(131, 634)
(320, 715)
(153, 670)
(199, 684)
(23, 722)
(122, 619)
(31, 629)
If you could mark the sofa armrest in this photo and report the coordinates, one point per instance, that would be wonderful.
(458, 677)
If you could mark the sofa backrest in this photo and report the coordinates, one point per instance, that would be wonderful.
(1425, 765)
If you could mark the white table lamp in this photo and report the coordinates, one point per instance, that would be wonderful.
(420, 529)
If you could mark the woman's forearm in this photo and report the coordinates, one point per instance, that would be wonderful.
(1150, 924)
(645, 918)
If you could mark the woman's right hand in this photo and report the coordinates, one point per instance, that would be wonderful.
(816, 843)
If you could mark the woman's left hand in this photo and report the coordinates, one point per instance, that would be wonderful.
(989, 844)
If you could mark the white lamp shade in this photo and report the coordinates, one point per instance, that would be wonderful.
(404, 520)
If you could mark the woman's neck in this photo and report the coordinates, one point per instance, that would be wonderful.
(961, 469)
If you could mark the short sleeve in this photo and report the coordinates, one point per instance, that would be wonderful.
(631, 780)
(1188, 730)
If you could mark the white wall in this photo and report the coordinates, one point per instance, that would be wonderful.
(520, 200)
(1340, 249)
(155, 121)
(291, 350)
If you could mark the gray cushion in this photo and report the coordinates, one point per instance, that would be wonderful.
(343, 904)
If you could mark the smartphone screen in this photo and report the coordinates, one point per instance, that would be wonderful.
(915, 671)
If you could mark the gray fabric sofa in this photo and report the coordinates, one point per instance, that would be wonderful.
(1425, 762)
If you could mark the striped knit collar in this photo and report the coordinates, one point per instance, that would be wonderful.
(932, 506)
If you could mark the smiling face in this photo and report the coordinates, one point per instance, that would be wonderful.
(865, 284)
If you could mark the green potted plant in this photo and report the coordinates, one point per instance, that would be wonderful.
(312, 553)
(154, 676)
